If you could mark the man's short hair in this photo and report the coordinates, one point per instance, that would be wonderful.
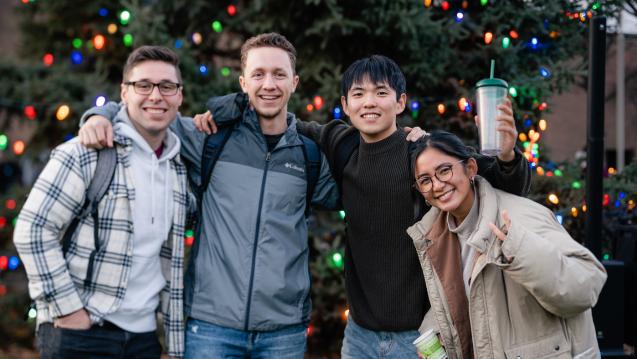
(151, 53)
(270, 39)
(378, 69)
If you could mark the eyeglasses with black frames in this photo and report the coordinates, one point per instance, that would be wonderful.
(166, 88)
(443, 173)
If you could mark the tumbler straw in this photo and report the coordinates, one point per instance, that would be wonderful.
(492, 67)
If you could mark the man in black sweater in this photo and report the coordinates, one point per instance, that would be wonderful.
(385, 286)
(384, 282)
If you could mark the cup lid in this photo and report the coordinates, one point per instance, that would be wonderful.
(425, 335)
(492, 82)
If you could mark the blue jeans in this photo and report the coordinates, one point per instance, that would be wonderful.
(206, 340)
(360, 343)
(98, 342)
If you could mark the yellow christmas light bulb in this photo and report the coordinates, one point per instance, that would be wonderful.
(553, 198)
(62, 112)
(542, 124)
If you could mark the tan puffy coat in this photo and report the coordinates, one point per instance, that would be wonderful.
(537, 305)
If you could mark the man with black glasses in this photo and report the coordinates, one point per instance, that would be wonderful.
(97, 294)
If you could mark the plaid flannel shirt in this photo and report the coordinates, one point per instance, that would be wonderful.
(57, 284)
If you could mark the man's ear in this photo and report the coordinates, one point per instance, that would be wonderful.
(123, 93)
(401, 103)
(344, 105)
(295, 81)
(242, 83)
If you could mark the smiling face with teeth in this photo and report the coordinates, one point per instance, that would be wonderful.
(269, 81)
(372, 108)
(455, 195)
(151, 114)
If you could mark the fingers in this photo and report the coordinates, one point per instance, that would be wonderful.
(506, 107)
(97, 132)
(204, 123)
(415, 134)
(477, 119)
(407, 129)
(506, 219)
(91, 137)
(508, 130)
(199, 123)
(211, 122)
(498, 233)
(109, 138)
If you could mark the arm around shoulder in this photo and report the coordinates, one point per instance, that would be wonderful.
(109, 110)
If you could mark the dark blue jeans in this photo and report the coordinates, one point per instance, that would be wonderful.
(98, 342)
(205, 340)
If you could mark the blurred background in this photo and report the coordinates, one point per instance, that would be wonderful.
(58, 58)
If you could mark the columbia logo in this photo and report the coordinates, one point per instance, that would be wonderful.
(294, 167)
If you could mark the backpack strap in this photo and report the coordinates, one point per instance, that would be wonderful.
(312, 156)
(212, 148)
(102, 178)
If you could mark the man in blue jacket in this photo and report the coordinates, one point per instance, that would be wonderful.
(248, 284)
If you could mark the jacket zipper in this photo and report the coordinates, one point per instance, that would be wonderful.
(256, 239)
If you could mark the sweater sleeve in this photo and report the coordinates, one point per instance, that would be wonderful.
(562, 275)
(513, 177)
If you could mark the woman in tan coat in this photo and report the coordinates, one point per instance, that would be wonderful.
(505, 280)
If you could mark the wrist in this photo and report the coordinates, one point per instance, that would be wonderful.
(507, 156)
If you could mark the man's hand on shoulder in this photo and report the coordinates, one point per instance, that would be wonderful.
(78, 320)
(415, 133)
(205, 123)
(97, 132)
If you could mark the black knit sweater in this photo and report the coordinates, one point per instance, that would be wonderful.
(384, 281)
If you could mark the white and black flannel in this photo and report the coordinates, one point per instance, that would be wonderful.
(58, 284)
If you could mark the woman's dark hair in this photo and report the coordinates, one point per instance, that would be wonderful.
(444, 142)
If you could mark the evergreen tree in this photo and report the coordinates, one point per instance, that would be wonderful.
(72, 55)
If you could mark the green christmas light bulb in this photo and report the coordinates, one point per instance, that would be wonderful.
(337, 259)
(124, 17)
(216, 26)
(558, 173)
(513, 91)
(4, 140)
(77, 43)
(225, 71)
(341, 214)
(506, 42)
(128, 40)
(577, 185)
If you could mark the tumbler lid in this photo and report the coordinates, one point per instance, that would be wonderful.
(492, 82)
